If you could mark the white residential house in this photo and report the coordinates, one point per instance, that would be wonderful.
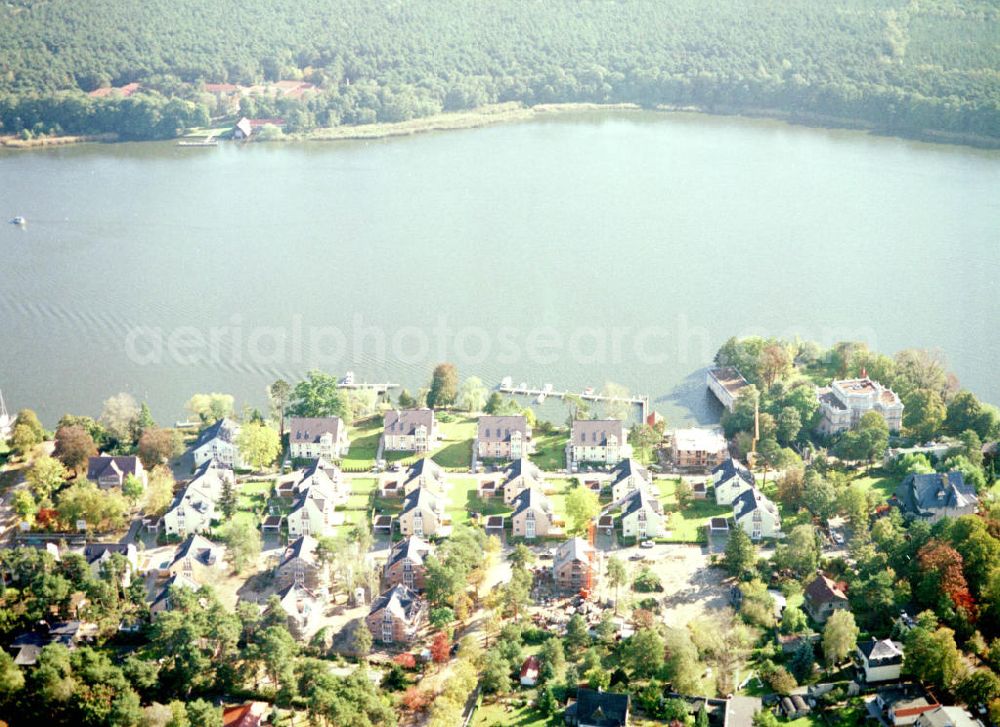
(317, 495)
(844, 402)
(642, 515)
(757, 515)
(409, 430)
(629, 475)
(519, 475)
(600, 441)
(218, 443)
(195, 507)
(317, 437)
(881, 661)
(730, 480)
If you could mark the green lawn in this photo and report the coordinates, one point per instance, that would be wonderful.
(687, 525)
(498, 715)
(364, 446)
(550, 450)
(457, 435)
(879, 481)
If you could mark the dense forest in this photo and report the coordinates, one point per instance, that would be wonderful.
(902, 66)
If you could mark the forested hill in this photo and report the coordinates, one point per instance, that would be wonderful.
(905, 66)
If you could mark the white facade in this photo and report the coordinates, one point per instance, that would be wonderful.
(846, 401)
(194, 510)
(218, 443)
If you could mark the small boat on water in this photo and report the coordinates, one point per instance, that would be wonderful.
(589, 391)
(348, 379)
(19, 221)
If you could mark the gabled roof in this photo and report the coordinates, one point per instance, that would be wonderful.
(639, 499)
(491, 428)
(530, 667)
(225, 429)
(107, 464)
(303, 547)
(824, 590)
(424, 467)
(421, 498)
(882, 652)
(627, 468)
(574, 549)
(531, 499)
(522, 467)
(753, 499)
(93, 552)
(404, 422)
(179, 581)
(402, 602)
(196, 547)
(297, 599)
(924, 493)
(601, 709)
(734, 468)
(595, 432)
(302, 430)
(413, 549)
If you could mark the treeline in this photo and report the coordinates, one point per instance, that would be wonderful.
(904, 67)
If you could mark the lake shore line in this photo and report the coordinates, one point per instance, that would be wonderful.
(495, 114)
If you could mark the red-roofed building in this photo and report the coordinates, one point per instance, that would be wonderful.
(250, 714)
(124, 91)
(529, 671)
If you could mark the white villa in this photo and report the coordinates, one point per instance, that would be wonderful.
(317, 437)
(757, 515)
(642, 515)
(844, 402)
(628, 475)
(218, 443)
(194, 508)
(730, 480)
(603, 441)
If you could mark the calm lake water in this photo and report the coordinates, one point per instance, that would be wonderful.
(573, 250)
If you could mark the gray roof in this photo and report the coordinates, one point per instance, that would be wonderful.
(95, 551)
(309, 429)
(303, 547)
(627, 468)
(750, 500)
(404, 422)
(595, 432)
(421, 498)
(414, 548)
(401, 601)
(500, 428)
(731, 467)
(922, 494)
(119, 465)
(573, 549)
(600, 709)
(224, 429)
(531, 499)
(197, 547)
(522, 467)
(882, 653)
(424, 467)
(639, 499)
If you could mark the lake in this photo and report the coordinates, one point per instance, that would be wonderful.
(574, 250)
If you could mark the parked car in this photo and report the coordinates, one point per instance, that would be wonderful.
(647, 544)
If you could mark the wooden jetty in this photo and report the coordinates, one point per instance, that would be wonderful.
(506, 387)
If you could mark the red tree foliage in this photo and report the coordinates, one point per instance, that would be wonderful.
(941, 567)
(407, 661)
(440, 648)
(416, 699)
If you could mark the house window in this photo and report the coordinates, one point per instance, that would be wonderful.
(418, 524)
(387, 629)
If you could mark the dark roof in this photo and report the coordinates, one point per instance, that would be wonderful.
(310, 429)
(400, 600)
(420, 497)
(197, 547)
(500, 428)
(639, 499)
(881, 653)
(750, 500)
(595, 432)
(94, 551)
(731, 467)
(824, 590)
(628, 467)
(601, 709)
(405, 421)
(303, 547)
(223, 428)
(417, 469)
(522, 467)
(531, 499)
(921, 494)
(120, 465)
(414, 548)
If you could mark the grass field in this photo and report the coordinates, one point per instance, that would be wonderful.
(685, 525)
(550, 450)
(455, 450)
(498, 715)
(364, 446)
